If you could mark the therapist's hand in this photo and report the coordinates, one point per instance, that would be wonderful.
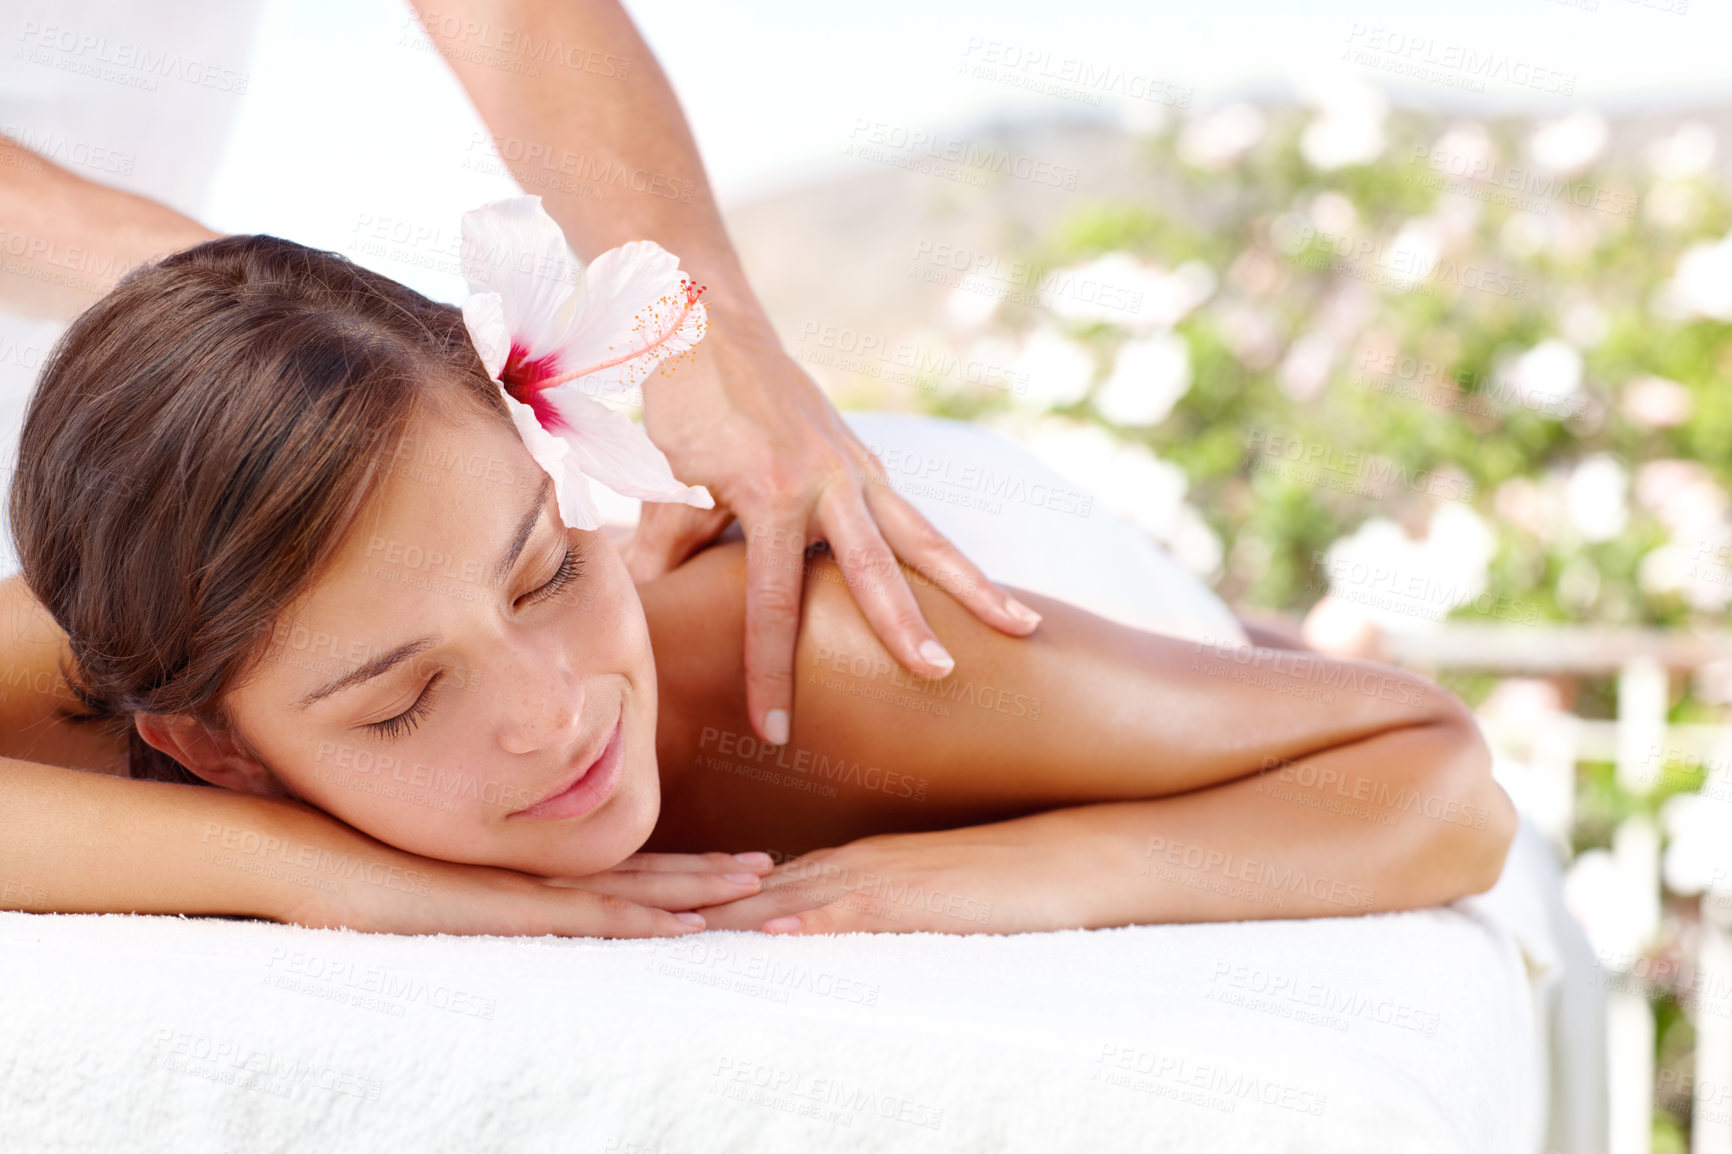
(744, 420)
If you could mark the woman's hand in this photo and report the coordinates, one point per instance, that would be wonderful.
(1012, 877)
(647, 895)
(742, 418)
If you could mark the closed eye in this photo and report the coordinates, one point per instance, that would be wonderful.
(569, 567)
(393, 727)
(405, 722)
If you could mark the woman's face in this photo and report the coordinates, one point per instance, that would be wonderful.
(447, 681)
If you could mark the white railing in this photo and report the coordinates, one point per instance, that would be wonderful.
(1640, 744)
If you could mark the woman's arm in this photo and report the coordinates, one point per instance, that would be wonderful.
(73, 842)
(100, 842)
(1193, 782)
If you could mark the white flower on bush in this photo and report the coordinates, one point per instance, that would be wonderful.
(1414, 252)
(1349, 126)
(1616, 911)
(1684, 154)
(1464, 152)
(1656, 403)
(1400, 583)
(1683, 496)
(1149, 376)
(1118, 289)
(1702, 284)
(1545, 377)
(1594, 495)
(1699, 855)
(1056, 369)
(1218, 139)
(1305, 369)
(1569, 143)
(1332, 212)
(1130, 481)
(968, 308)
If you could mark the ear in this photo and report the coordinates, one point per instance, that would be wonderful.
(215, 757)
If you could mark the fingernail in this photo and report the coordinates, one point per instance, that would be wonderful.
(776, 727)
(936, 654)
(691, 919)
(741, 878)
(1021, 612)
(755, 858)
(782, 925)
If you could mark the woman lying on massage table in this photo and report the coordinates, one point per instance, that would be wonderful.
(286, 534)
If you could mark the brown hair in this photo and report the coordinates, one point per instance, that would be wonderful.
(198, 446)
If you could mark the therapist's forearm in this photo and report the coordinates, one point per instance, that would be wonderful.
(67, 240)
(598, 134)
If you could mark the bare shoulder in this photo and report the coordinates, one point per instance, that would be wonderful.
(33, 692)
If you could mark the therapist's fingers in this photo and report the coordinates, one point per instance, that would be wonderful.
(931, 554)
(667, 534)
(775, 574)
(878, 585)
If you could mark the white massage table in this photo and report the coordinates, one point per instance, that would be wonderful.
(1463, 1028)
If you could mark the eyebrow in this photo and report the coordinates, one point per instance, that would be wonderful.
(387, 661)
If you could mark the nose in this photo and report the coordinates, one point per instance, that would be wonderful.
(541, 704)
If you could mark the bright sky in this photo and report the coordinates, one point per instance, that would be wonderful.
(774, 88)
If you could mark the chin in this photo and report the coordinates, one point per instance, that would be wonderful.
(606, 837)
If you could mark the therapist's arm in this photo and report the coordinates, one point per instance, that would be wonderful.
(66, 240)
(584, 117)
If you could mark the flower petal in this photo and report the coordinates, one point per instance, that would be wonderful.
(607, 446)
(484, 317)
(570, 487)
(513, 248)
(633, 309)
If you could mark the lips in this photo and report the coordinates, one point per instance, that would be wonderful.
(588, 787)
